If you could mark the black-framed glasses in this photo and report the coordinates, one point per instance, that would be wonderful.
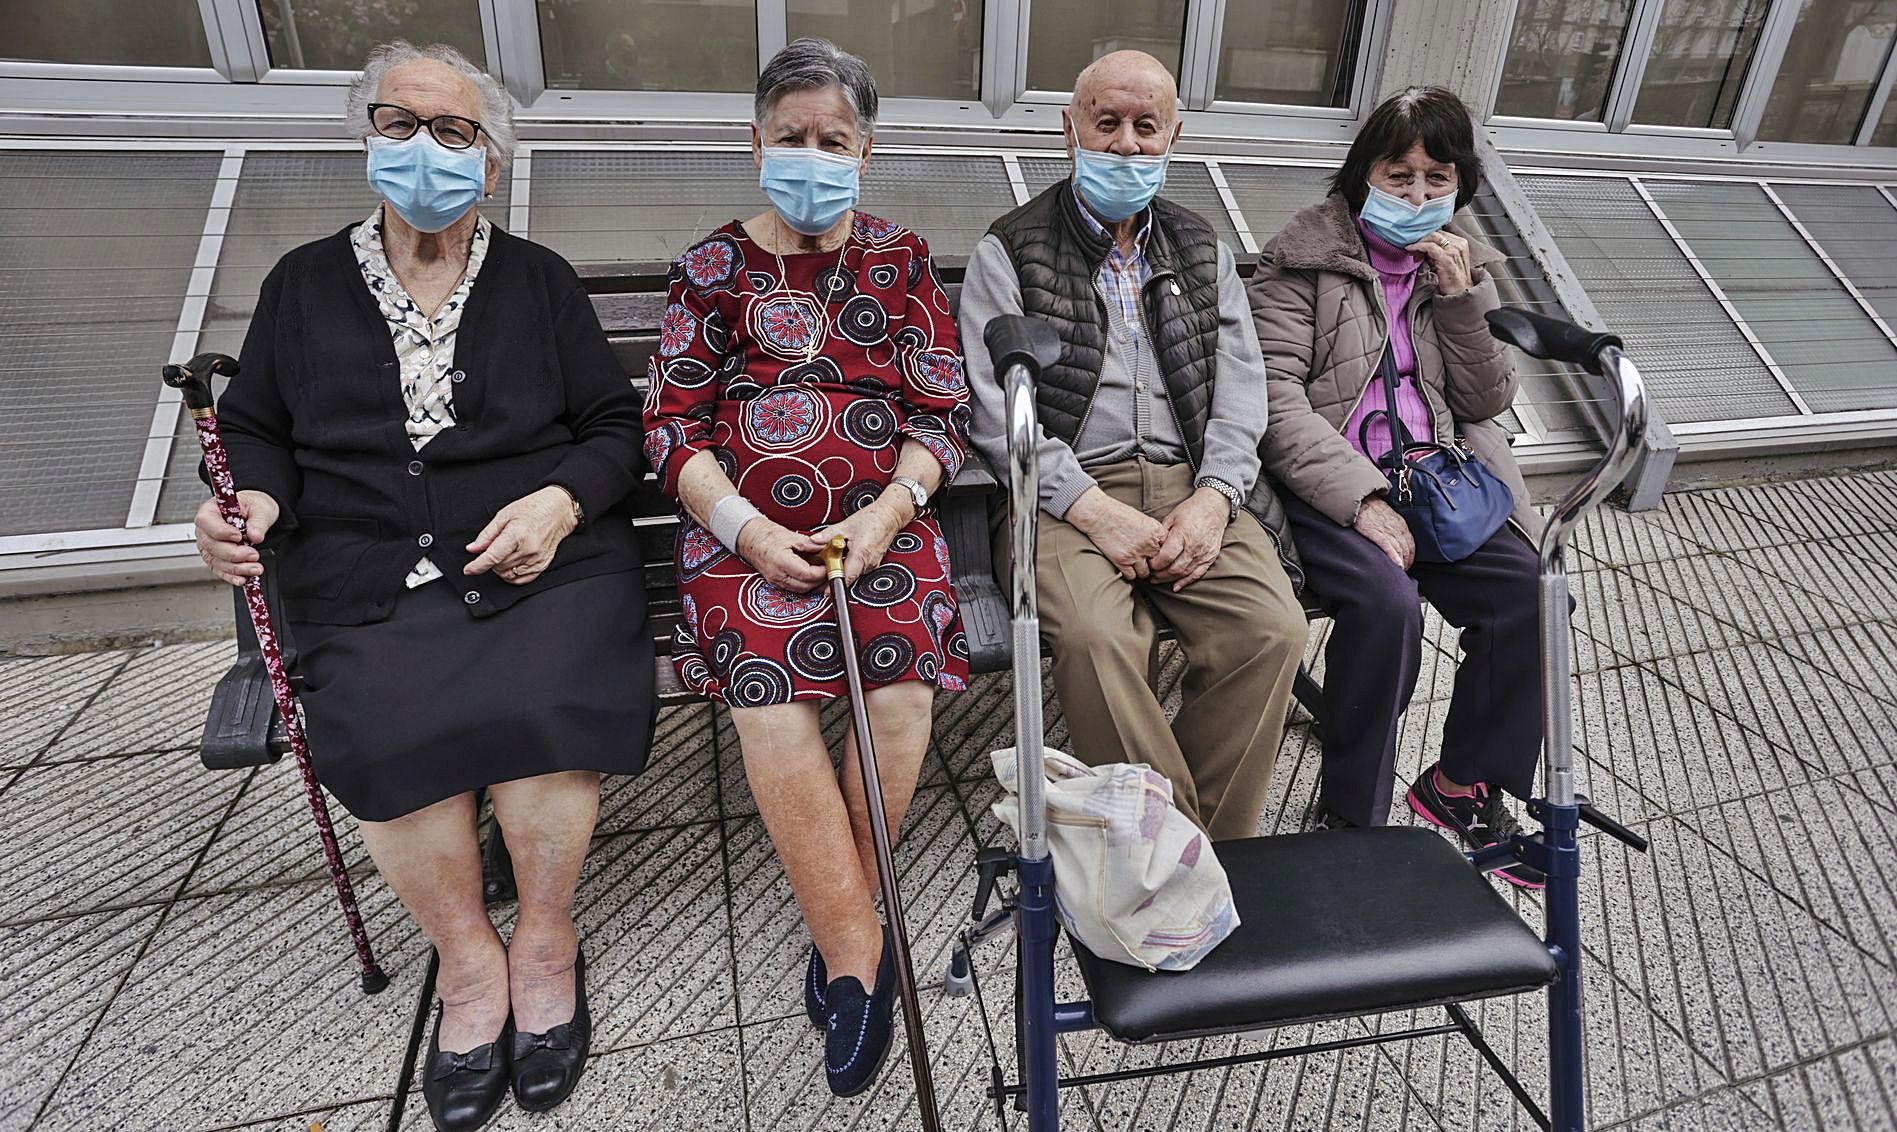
(400, 123)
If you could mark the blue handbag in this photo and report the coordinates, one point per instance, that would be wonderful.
(1452, 503)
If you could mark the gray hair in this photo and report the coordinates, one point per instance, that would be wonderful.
(812, 63)
(497, 117)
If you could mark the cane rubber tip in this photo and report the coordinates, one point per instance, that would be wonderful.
(374, 981)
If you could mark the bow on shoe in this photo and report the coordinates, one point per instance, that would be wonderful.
(560, 1037)
(480, 1059)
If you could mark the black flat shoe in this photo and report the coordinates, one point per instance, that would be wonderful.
(547, 1066)
(815, 979)
(857, 1028)
(464, 1089)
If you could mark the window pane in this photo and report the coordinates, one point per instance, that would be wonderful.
(918, 49)
(156, 33)
(1701, 51)
(650, 44)
(1830, 71)
(337, 35)
(1300, 52)
(1886, 132)
(1561, 57)
(1066, 35)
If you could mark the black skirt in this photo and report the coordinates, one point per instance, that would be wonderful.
(430, 702)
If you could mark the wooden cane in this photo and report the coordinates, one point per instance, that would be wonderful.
(834, 553)
(193, 381)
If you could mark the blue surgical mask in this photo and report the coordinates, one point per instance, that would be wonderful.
(810, 188)
(1117, 187)
(427, 184)
(1402, 223)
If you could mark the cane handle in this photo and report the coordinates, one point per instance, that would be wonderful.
(834, 552)
(193, 378)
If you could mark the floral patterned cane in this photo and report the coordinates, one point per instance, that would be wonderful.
(193, 380)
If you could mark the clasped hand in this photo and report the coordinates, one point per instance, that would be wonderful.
(1175, 551)
(787, 559)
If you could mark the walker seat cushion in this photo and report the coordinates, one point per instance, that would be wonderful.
(1338, 923)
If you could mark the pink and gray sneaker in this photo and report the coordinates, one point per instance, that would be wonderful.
(1479, 819)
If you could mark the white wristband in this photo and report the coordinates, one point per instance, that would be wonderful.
(728, 517)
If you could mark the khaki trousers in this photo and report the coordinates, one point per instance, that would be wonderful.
(1240, 626)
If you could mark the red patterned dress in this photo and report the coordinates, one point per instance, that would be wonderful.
(804, 388)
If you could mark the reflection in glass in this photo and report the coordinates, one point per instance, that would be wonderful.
(153, 33)
(1701, 50)
(1299, 52)
(1886, 131)
(337, 35)
(916, 48)
(1561, 57)
(1066, 35)
(1831, 66)
(650, 44)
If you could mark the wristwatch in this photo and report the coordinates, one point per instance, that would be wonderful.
(918, 494)
(1227, 490)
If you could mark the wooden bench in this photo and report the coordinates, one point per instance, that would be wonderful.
(630, 300)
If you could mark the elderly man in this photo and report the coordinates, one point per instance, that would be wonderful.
(1150, 491)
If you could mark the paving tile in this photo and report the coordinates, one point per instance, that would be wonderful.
(680, 781)
(363, 1116)
(1867, 496)
(1862, 657)
(82, 836)
(1823, 584)
(1823, 723)
(58, 977)
(1613, 538)
(1675, 751)
(157, 703)
(1355, 1088)
(247, 1005)
(1810, 516)
(41, 695)
(1735, 600)
(934, 859)
(688, 1084)
(270, 838)
(1751, 979)
(651, 915)
(1700, 518)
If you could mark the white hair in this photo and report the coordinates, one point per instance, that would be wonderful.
(814, 63)
(497, 118)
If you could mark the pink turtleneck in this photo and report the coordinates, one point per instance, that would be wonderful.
(1397, 269)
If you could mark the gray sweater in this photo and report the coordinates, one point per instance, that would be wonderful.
(1130, 416)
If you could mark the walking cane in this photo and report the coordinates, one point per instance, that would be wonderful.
(193, 380)
(833, 555)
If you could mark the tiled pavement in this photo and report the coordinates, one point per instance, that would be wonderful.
(171, 957)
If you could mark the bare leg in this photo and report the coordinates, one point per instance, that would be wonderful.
(431, 860)
(900, 723)
(797, 794)
(548, 822)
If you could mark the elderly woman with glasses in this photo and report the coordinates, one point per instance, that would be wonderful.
(809, 379)
(431, 429)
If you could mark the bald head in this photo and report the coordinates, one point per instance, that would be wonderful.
(1125, 102)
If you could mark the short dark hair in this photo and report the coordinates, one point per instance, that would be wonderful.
(1429, 114)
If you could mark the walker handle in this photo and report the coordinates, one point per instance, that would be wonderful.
(1013, 338)
(1540, 336)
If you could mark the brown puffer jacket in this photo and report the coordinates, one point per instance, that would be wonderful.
(1318, 306)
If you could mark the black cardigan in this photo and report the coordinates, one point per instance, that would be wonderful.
(316, 420)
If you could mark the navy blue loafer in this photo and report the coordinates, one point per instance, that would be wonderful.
(857, 1028)
(815, 979)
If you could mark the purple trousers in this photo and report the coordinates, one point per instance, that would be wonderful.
(1493, 732)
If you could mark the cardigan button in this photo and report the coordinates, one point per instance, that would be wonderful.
(472, 597)
(457, 377)
(425, 541)
(415, 467)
